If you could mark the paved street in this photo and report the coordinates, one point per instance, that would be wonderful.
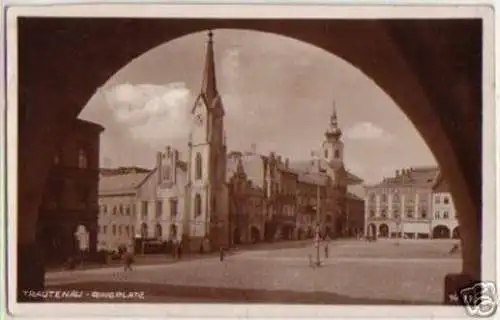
(355, 272)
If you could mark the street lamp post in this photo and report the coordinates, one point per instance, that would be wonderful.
(317, 240)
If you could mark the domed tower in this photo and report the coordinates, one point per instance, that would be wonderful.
(333, 147)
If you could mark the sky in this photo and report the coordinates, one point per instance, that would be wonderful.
(278, 93)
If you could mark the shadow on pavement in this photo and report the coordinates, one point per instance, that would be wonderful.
(183, 294)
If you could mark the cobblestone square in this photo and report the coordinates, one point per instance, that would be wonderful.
(355, 272)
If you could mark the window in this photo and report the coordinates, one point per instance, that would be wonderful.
(113, 230)
(409, 212)
(105, 208)
(372, 213)
(173, 207)
(336, 154)
(128, 210)
(445, 215)
(158, 231)
(197, 205)
(82, 159)
(166, 173)
(104, 229)
(144, 210)
(127, 231)
(437, 215)
(384, 197)
(395, 197)
(198, 167)
(326, 153)
(423, 213)
(121, 210)
(114, 210)
(384, 213)
(437, 199)
(133, 231)
(159, 209)
(119, 230)
(395, 213)
(446, 200)
(372, 197)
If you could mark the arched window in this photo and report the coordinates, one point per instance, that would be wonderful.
(336, 154)
(82, 159)
(197, 205)
(198, 167)
(158, 231)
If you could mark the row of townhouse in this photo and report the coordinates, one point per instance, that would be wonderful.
(415, 203)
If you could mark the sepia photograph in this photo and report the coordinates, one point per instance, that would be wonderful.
(251, 155)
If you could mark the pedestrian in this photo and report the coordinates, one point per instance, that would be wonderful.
(221, 254)
(128, 260)
(326, 250)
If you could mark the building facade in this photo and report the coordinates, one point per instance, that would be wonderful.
(69, 209)
(444, 220)
(401, 206)
(118, 207)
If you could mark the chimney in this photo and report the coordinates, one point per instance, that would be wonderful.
(168, 151)
(279, 159)
(287, 163)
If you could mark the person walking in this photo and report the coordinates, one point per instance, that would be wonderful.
(221, 254)
(326, 249)
(128, 260)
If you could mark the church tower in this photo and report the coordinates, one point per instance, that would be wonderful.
(208, 212)
(333, 147)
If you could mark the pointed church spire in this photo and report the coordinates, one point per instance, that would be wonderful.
(333, 130)
(209, 85)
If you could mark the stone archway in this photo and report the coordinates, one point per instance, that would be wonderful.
(440, 232)
(456, 233)
(383, 231)
(416, 65)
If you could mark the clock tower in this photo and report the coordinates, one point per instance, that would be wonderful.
(207, 189)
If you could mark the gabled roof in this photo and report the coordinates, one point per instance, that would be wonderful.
(417, 176)
(121, 183)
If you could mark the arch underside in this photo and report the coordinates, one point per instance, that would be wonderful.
(436, 81)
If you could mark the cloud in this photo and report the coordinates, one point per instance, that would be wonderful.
(153, 114)
(368, 131)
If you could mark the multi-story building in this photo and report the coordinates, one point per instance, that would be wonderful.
(355, 209)
(68, 213)
(118, 192)
(444, 220)
(246, 203)
(401, 206)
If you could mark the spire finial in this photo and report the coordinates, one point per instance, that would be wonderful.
(209, 85)
(333, 117)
